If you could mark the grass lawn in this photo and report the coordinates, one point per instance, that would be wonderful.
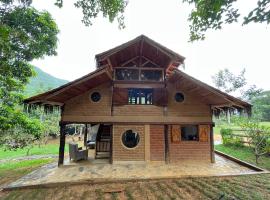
(241, 187)
(36, 150)
(245, 154)
(10, 171)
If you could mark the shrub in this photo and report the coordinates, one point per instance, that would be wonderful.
(228, 138)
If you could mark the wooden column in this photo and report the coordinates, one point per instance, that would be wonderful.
(212, 149)
(62, 144)
(85, 136)
(166, 140)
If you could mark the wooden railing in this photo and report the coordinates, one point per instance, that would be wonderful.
(103, 145)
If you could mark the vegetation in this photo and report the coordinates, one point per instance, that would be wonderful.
(10, 171)
(214, 14)
(244, 153)
(42, 82)
(244, 187)
(47, 149)
(26, 34)
(258, 137)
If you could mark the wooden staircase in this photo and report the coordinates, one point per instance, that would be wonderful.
(103, 142)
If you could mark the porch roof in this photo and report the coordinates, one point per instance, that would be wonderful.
(206, 93)
(61, 94)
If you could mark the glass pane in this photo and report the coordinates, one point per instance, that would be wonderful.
(151, 75)
(190, 133)
(127, 74)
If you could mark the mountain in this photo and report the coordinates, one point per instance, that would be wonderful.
(42, 82)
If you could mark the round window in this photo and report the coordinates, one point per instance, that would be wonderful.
(179, 97)
(130, 139)
(95, 96)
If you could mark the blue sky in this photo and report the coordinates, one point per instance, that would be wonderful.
(234, 47)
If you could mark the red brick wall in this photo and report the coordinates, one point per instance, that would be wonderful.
(122, 153)
(157, 145)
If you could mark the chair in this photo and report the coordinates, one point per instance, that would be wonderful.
(76, 153)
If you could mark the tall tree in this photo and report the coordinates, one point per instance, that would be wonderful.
(213, 14)
(25, 34)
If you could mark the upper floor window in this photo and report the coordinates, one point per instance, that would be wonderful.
(139, 74)
(140, 96)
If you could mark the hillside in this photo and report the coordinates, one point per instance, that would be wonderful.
(42, 82)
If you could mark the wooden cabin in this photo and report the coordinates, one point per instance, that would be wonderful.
(148, 109)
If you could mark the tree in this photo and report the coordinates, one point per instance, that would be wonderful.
(213, 14)
(261, 106)
(25, 34)
(205, 15)
(112, 10)
(229, 82)
(257, 137)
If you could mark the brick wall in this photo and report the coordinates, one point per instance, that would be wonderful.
(157, 145)
(122, 153)
(189, 150)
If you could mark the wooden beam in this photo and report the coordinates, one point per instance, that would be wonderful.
(85, 136)
(128, 61)
(151, 61)
(212, 149)
(141, 49)
(62, 144)
(166, 141)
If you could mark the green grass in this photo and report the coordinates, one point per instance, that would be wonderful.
(245, 154)
(42, 150)
(226, 188)
(265, 124)
(10, 171)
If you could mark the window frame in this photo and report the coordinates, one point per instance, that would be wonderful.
(198, 133)
(150, 91)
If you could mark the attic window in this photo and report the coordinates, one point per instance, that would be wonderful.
(140, 96)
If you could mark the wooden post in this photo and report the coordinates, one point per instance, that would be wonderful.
(212, 149)
(166, 143)
(62, 144)
(85, 136)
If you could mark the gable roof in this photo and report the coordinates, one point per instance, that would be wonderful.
(141, 45)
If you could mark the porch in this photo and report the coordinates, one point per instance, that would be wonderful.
(93, 172)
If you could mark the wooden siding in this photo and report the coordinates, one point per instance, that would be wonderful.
(82, 109)
(138, 110)
(82, 105)
(122, 153)
(190, 107)
(157, 144)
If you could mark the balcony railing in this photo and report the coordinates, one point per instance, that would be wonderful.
(139, 74)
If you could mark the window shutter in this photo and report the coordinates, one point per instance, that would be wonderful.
(176, 133)
(204, 132)
(120, 96)
(160, 97)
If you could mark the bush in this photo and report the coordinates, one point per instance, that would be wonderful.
(228, 138)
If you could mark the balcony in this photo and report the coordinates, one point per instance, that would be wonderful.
(139, 74)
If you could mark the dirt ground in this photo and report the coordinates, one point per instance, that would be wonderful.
(241, 187)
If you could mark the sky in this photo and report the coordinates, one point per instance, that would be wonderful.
(234, 47)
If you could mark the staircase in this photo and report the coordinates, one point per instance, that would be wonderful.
(103, 142)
